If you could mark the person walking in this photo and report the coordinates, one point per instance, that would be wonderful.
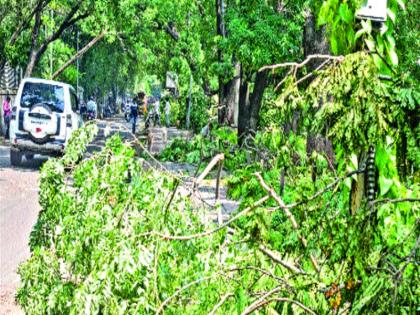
(167, 112)
(156, 111)
(7, 112)
(149, 101)
(134, 113)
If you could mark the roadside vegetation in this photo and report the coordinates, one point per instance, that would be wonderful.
(323, 158)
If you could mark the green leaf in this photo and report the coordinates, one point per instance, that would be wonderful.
(393, 56)
(345, 13)
(391, 14)
(367, 26)
(385, 185)
(370, 44)
(334, 45)
(401, 4)
(391, 40)
(323, 13)
(360, 33)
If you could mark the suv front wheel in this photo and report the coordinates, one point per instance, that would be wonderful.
(15, 157)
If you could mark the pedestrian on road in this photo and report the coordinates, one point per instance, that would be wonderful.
(156, 112)
(167, 112)
(150, 111)
(7, 112)
(92, 107)
(134, 113)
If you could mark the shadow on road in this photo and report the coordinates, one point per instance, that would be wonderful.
(26, 166)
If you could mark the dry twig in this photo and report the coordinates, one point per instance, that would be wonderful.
(289, 215)
(256, 307)
(302, 64)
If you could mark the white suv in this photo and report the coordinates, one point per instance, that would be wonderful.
(44, 115)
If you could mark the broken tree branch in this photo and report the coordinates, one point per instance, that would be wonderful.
(79, 54)
(251, 308)
(221, 302)
(278, 260)
(219, 172)
(204, 234)
(289, 215)
(177, 292)
(263, 303)
(387, 200)
(216, 159)
(302, 64)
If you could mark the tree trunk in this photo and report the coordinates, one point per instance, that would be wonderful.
(256, 99)
(232, 97)
(244, 110)
(33, 53)
(250, 105)
(31, 64)
(315, 41)
(221, 31)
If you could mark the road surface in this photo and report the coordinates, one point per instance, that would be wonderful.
(18, 213)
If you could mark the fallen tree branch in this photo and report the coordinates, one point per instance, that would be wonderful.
(322, 191)
(302, 64)
(305, 308)
(221, 302)
(219, 172)
(289, 215)
(310, 74)
(387, 200)
(204, 234)
(267, 273)
(79, 54)
(278, 260)
(218, 158)
(177, 292)
(254, 305)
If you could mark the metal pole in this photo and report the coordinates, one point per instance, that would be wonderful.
(77, 62)
(51, 48)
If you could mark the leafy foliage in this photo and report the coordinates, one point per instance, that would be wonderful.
(103, 245)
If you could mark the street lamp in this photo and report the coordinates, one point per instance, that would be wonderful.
(374, 10)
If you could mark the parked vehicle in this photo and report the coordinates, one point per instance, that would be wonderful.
(44, 116)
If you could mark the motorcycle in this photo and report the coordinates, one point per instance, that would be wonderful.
(90, 115)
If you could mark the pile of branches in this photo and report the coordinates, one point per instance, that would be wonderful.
(120, 239)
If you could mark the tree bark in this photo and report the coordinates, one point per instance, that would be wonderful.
(244, 108)
(250, 105)
(221, 31)
(231, 97)
(33, 52)
(256, 99)
(315, 41)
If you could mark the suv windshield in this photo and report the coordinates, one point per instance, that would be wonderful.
(41, 93)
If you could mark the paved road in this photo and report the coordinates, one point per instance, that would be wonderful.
(18, 212)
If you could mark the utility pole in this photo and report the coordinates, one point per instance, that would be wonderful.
(77, 64)
(51, 48)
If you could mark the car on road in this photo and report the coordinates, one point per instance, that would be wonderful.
(44, 116)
